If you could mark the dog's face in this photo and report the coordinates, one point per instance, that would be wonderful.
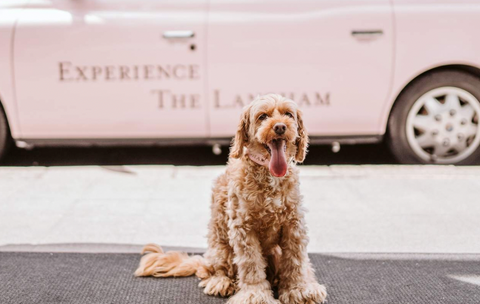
(273, 127)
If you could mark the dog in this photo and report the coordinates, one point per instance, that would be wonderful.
(257, 237)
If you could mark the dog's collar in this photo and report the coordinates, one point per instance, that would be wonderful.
(257, 158)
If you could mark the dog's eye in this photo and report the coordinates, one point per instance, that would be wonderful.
(289, 114)
(262, 117)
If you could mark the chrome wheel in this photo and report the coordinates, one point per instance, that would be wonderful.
(442, 125)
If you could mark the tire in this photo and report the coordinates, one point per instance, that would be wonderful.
(5, 139)
(429, 125)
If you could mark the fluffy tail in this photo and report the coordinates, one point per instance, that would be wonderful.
(170, 264)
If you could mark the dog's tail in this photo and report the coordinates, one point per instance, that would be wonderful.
(170, 264)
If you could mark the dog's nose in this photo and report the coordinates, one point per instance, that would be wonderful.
(279, 128)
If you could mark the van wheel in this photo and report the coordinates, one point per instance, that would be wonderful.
(5, 139)
(435, 120)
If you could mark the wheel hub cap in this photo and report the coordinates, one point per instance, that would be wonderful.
(442, 125)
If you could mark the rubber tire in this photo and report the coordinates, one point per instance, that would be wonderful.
(396, 131)
(5, 139)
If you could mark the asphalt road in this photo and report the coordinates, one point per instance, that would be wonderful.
(182, 156)
(78, 278)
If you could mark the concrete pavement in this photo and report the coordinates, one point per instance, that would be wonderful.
(424, 209)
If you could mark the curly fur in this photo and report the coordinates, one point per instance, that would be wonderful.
(257, 235)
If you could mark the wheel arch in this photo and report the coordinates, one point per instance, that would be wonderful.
(5, 114)
(465, 68)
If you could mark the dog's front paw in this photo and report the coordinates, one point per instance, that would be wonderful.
(309, 293)
(218, 285)
(254, 294)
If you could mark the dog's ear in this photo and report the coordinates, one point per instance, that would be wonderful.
(241, 136)
(302, 140)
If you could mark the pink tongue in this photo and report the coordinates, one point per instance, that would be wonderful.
(278, 162)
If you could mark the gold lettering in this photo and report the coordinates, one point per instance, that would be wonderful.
(64, 70)
(166, 72)
(69, 72)
(96, 70)
(195, 101)
(304, 100)
(176, 70)
(124, 70)
(160, 97)
(194, 71)
(178, 101)
(135, 72)
(81, 73)
(320, 101)
(109, 72)
(148, 70)
(216, 99)
(238, 101)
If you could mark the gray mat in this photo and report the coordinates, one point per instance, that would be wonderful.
(350, 279)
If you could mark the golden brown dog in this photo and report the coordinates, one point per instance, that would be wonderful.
(257, 236)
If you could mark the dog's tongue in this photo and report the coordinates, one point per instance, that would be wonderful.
(278, 161)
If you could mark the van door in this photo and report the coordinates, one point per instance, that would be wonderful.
(334, 58)
(111, 69)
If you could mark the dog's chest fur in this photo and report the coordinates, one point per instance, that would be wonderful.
(266, 203)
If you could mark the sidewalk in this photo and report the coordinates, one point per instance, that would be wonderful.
(401, 209)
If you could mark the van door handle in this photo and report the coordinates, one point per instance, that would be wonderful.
(367, 33)
(178, 34)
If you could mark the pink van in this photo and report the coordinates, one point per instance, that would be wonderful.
(157, 71)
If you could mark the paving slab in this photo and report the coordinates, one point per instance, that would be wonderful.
(384, 208)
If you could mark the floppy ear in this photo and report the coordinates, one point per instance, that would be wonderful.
(241, 137)
(302, 140)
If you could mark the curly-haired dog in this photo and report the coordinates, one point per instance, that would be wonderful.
(257, 236)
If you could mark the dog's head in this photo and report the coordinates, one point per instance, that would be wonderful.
(272, 126)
